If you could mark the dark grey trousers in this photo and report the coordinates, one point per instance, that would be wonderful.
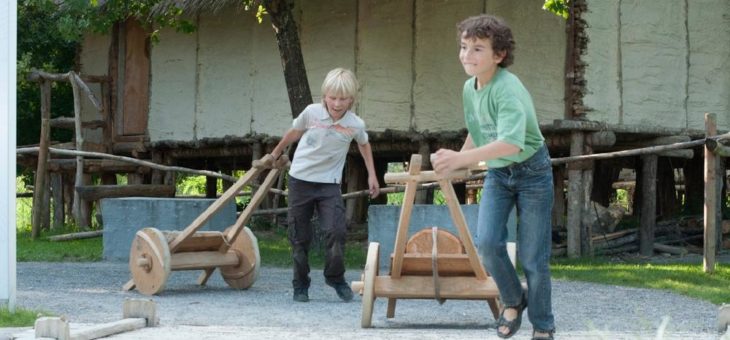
(304, 197)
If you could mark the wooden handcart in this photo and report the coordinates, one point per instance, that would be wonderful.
(433, 264)
(154, 253)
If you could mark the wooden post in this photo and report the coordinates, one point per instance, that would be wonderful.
(648, 204)
(354, 172)
(81, 209)
(59, 214)
(157, 175)
(575, 197)
(710, 210)
(586, 231)
(424, 196)
(211, 187)
(41, 172)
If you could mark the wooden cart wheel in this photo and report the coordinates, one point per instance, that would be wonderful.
(244, 274)
(368, 292)
(149, 261)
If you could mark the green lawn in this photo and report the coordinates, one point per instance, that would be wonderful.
(681, 278)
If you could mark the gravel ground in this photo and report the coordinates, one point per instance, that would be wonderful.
(90, 293)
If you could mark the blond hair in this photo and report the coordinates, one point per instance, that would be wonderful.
(340, 82)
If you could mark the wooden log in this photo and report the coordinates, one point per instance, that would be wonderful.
(571, 125)
(637, 152)
(41, 171)
(670, 249)
(618, 250)
(76, 236)
(68, 123)
(129, 160)
(96, 192)
(711, 202)
(575, 199)
(718, 149)
(621, 241)
(648, 204)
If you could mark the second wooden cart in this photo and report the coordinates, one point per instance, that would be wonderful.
(443, 273)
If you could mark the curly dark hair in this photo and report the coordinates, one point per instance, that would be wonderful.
(490, 27)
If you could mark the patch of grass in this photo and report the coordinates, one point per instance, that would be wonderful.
(685, 279)
(275, 251)
(20, 318)
(44, 250)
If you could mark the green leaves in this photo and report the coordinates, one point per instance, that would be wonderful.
(558, 7)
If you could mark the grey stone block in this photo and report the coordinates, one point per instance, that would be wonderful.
(383, 224)
(124, 216)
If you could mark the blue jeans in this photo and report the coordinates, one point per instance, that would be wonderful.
(529, 185)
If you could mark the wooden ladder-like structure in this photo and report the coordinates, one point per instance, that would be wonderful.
(447, 276)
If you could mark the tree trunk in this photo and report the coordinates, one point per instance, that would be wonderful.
(287, 37)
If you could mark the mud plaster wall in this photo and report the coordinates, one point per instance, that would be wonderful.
(658, 63)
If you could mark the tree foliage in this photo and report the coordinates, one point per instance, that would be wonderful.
(558, 7)
(41, 46)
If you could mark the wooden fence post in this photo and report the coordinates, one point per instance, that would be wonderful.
(41, 170)
(710, 210)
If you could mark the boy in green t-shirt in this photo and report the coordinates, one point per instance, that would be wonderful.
(504, 132)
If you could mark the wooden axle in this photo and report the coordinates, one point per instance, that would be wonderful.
(204, 259)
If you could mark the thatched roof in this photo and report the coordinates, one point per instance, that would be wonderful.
(193, 7)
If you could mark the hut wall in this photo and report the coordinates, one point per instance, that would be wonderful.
(226, 78)
(658, 63)
(93, 60)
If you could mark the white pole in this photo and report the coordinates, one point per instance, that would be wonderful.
(8, 29)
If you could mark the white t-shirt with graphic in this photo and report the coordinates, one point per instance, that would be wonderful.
(322, 150)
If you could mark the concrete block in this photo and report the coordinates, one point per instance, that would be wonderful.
(123, 217)
(141, 308)
(383, 224)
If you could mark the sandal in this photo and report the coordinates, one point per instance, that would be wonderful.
(512, 325)
(549, 335)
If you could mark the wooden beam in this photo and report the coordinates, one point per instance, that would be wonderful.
(96, 192)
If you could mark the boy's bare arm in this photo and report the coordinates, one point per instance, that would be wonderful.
(289, 137)
(447, 161)
(468, 143)
(367, 155)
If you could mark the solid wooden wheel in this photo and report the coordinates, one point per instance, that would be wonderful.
(368, 291)
(245, 273)
(422, 242)
(149, 261)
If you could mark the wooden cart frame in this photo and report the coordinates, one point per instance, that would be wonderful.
(452, 276)
(154, 254)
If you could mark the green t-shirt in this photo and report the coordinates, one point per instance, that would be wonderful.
(502, 110)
